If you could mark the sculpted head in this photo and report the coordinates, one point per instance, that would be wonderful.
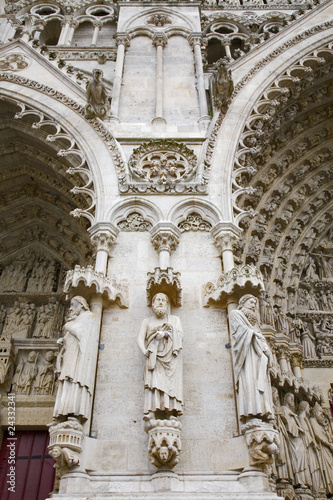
(163, 454)
(49, 356)
(55, 452)
(78, 304)
(160, 304)
(248, 301)
(248, 306)
(304, 406)
(97, 74)
(289, 400)
(32, 356)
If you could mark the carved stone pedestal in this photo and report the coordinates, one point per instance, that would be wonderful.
(262, 441)
(164, 445)
(65, 446)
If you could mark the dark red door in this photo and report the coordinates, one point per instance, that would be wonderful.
(33, 472)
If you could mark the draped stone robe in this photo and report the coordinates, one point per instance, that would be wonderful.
(76, 367)
(163, 375)
(250, 357)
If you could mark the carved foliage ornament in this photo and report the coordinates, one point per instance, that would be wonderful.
(14, 62)
(134, 222)
(163, 162)
(159, 20)
(194, 222)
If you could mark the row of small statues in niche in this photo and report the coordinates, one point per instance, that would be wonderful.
(35, 275)
(305, 457)
(33, 377)
(25, 320)
(160, 340)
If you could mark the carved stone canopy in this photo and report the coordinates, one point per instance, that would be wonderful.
(164, 281)
(240, 280)
(87, 283)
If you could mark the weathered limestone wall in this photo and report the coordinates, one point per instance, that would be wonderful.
(209, 411)
(138, 90)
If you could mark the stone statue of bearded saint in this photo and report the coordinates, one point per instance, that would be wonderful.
(160, 339)
(75, 363)
(252, 359)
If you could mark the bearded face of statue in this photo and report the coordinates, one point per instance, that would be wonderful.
(160, 305)
(74, 310)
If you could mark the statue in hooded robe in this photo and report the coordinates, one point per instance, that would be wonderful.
(252, 359)
(75, 364)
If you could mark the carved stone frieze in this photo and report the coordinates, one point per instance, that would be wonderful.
(86, 279)
(240, 279)
(164, 281)
(164, 445)
(89, 54)
(34, 372)
(31, 273)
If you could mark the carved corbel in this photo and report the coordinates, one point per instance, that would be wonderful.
(164, 281)
(164, 445)
(263, 443)
(65, 446)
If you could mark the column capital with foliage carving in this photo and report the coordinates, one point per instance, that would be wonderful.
(103, 235)
(165, 236)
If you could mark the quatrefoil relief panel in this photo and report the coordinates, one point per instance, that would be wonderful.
(162, 162)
